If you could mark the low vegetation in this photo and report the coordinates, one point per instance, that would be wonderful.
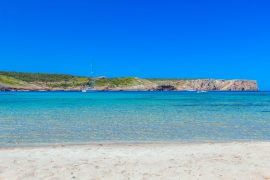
(168, 79)
(42, 77)
(116, 82)
(62, 81)
(10, 81)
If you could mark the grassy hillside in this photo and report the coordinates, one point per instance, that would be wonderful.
(11, 81)
(116, 82)
(63, 81)
(169, 79)
(41, 77)
(19, 79)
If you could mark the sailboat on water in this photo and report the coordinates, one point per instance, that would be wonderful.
(91, 83)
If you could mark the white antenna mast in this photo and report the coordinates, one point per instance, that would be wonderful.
(92, 72)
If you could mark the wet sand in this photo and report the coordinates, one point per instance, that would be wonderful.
(237, 160)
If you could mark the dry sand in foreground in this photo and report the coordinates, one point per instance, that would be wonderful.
(249, 160)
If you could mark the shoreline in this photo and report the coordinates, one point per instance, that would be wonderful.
(222, 160)
(126, 143)
(139, 90)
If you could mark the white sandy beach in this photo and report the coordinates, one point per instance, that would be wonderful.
(245, 160)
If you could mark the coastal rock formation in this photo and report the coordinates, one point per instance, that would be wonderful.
(212, 84)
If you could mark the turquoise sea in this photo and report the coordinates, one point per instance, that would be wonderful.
(28, 118)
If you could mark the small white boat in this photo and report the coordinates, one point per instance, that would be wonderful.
(191, 90)
(202, 91)
(89, 90)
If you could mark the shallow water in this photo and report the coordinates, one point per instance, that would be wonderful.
(75, 117)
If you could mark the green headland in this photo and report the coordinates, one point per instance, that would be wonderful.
(23, 81)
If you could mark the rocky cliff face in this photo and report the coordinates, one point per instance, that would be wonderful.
(211, 84)
(181, 85)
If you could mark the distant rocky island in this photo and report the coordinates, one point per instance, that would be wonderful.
(20, 81)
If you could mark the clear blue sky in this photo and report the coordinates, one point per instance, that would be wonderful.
(192, 38)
